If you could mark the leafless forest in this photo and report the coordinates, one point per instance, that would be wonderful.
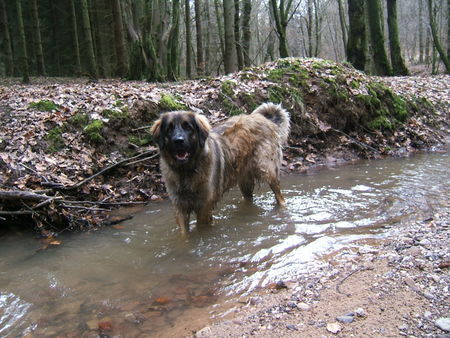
(163, 40)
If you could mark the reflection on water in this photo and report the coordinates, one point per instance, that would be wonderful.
(139, 277)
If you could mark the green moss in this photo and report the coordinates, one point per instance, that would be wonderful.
(381, 122)
(54, 139)
(79, 119)
(93, 131)
(44, 105)
(250, 100)
(114, 114)
(355, 84)
(400, 108)
(284, 95)
(140, 140)
(291, 71)
(231, 108)
(168, 103)
(227, 88)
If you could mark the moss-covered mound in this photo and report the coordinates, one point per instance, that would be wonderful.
(86, 147)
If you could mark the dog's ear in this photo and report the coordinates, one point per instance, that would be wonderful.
(157, 132)
(203, 128)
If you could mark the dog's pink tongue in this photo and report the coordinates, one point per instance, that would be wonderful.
(182, 156)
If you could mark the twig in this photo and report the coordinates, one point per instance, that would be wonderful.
(362, 144)
(24, 195)
(140, 128)
(16, 212)
(48, 201)
(143, 159)
(83, 208)
(362, 268)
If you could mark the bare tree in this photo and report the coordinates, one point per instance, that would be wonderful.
(187, 12)
(246, 34)
(343, 24)
(282, 13)
(9, 68)
(229, 56)
(398, 65)
(436, 41)
(119, 39)
(92, 68)
(22, 44)
(199, 37)
(380, 59)
(357, 42)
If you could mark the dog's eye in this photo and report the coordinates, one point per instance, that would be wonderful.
(186, 125)
(170, 126)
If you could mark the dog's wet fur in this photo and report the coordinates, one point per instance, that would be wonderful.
(199, 163)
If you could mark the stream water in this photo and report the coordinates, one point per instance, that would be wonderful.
(139, 278)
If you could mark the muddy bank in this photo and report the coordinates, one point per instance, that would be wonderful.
(397, 286)
(78, 150)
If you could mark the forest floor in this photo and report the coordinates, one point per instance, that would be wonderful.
(56, 135)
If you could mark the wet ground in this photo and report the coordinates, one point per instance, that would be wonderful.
(140, 278)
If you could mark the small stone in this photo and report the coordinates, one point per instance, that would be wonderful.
(92, 324)
(292, 327)
(334, 327)
(443, 323)
(205, 332)
(427, 314)
(303, 306)
(345, 319)
(360, 312)
(403, 327)
(425, 242)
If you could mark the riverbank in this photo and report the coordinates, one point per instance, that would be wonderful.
(71, 151)
(395, 286)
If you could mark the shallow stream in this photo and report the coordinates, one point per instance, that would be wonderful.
(140, 279)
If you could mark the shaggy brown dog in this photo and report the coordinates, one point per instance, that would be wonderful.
(199, 164)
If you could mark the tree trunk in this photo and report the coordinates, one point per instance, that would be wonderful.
(343, 25)
(229, 57)
(437, 43)
(173, 58)
(37, 38)
(318, 28)
(9, 64)
(187, 12)
(398, 64)
(237, 35)
(357, 42)
(246, 35)
(96, 24)
(76, 45)
(22, 44)
(448, 29)
(309, 28)
(199, 37)
(380, 59)
(119, 39)
(282, 16)
(92, 69)
(421, 37)
(219, 28)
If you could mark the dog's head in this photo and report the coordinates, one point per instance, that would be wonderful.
(180, 135)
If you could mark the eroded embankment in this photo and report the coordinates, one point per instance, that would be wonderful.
(70, 151)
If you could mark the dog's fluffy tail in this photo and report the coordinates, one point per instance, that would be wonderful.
(278, 115)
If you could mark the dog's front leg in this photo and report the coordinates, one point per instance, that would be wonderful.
(204, 216)
(183, 220)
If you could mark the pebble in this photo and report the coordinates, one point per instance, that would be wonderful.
(345, 319)
(403, 327)
(205, 332)
(303, 306)
(334, 327)
(427, 314)
(443, 323)
(360, 312)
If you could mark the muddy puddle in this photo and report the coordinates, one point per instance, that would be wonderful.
(139, 278)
